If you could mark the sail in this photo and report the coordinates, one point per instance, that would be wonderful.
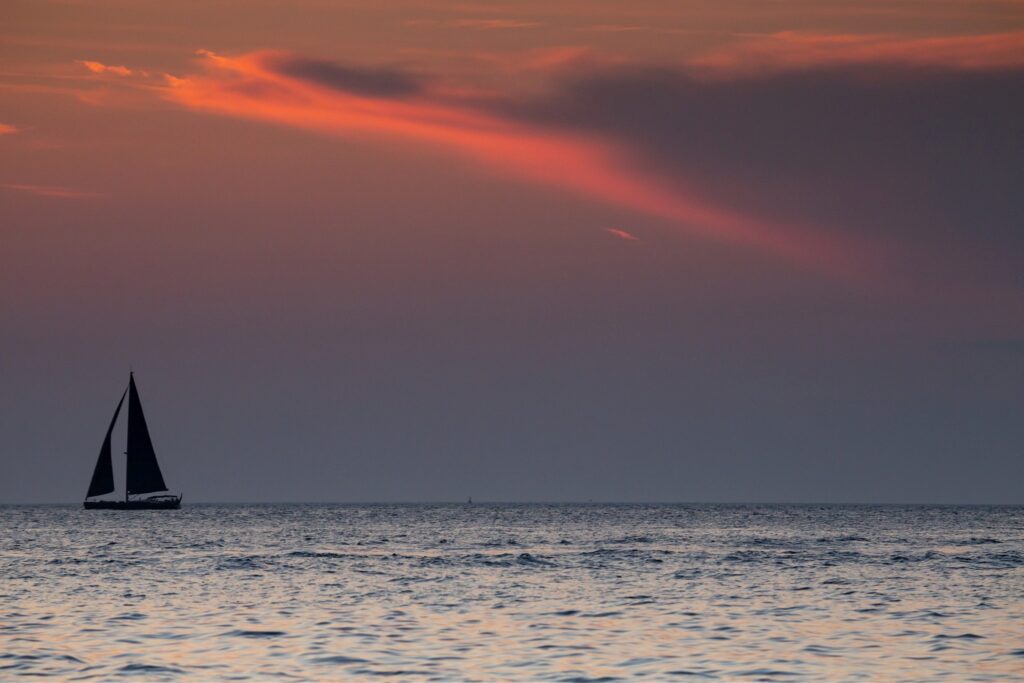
(143, 471)
(103, 476)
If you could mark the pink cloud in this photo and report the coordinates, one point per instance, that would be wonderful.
(622, 234)
(7, 129)
(100, 68)
(792, 50)
(494, 24)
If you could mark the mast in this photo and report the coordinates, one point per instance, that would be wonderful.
(143, 473)
(103, 475)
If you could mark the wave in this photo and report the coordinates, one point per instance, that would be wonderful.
(231, 563)
(533, 560)
(323, 555)
(149, 669)
(337, 659)
(251, 633)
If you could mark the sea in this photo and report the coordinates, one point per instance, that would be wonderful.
(510, 592)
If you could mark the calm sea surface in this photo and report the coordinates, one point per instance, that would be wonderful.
(500, 592)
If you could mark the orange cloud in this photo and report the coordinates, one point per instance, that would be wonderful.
(546, 59)
(613, 28)
(791, 50)
(622, 234)
(493, 24)
(99, 68)
(482, 24)
(53, 191)
(254, 86)
(6, 129)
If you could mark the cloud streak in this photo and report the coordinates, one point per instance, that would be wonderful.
(280, 88)
(793, 50)
(480, 24)
(494, 24)
(56, 191)
(100, 68)
(7, 129)
(850, 154)
(622, 234)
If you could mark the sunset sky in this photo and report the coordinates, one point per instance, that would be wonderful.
(696, 251)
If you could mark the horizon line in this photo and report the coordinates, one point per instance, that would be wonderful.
(556, 502)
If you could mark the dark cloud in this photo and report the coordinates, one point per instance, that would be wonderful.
(926, 158)
(359, 80)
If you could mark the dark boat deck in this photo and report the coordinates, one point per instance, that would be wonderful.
(159, 504)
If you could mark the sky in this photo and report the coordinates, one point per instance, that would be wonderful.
(701, 251)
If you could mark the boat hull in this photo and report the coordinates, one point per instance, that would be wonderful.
(158, 504)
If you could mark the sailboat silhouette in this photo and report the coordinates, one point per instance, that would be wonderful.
(142, 470)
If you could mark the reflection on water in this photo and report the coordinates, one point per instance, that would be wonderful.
(559, 592)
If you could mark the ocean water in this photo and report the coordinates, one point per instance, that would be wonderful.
(513, 592)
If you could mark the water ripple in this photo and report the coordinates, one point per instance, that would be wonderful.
(513, 592)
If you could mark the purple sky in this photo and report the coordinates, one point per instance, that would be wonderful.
(696, 251)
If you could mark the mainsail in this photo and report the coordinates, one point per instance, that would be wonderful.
(103, 476)
(143, 471)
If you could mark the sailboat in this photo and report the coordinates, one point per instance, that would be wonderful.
(143, 473)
